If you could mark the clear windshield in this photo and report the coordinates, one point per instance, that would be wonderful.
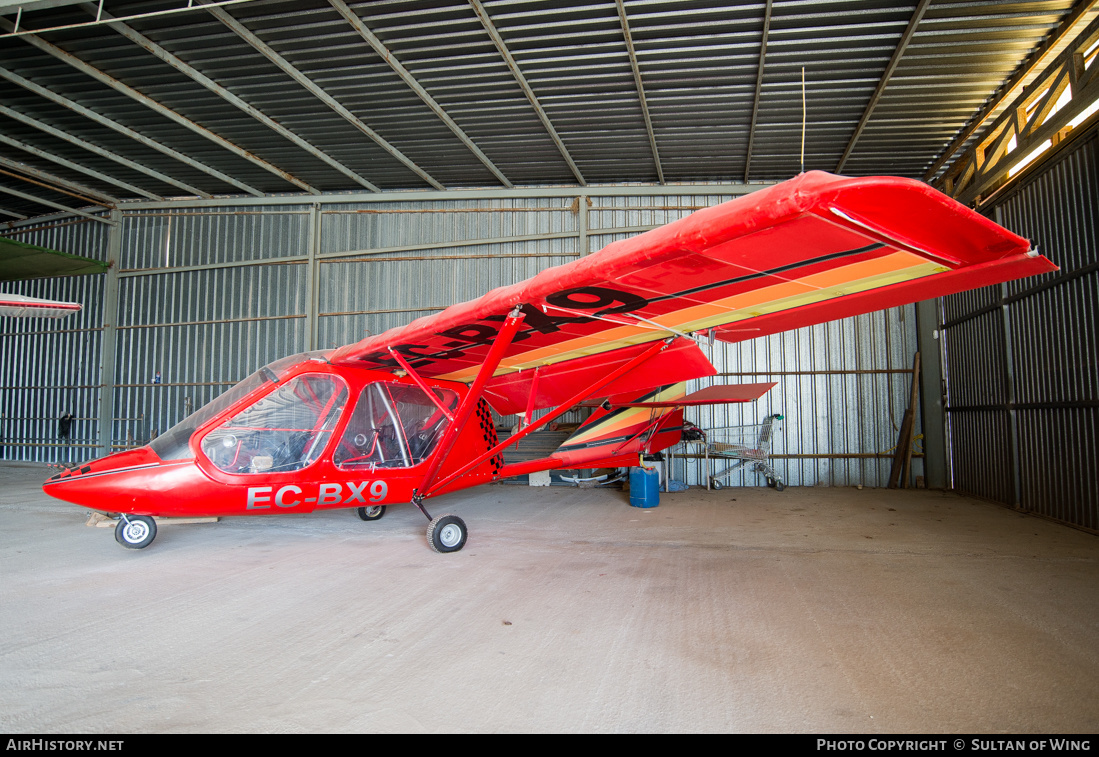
(172, 444)
(286, 430)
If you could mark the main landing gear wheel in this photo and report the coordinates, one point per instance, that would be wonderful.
(447, 533)
(135, 531)
(371, 513)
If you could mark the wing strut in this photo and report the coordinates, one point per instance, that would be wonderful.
(563, 408)
(492, 360)
(651, 429)
(637, 322)
(420, 383)
(529, 414)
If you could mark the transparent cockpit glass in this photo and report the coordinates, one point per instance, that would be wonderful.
(393, 426)
(284, 431)
(172, 444)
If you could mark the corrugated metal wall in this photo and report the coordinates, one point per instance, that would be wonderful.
(842, 388)
(207, 295)
(1021, 359)
(384, 264)
(52, 367)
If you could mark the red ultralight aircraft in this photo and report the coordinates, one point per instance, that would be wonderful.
(404, 416)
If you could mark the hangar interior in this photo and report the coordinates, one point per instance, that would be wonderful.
(222, 184)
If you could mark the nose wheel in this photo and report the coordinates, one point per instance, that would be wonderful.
(447, 533)
(135, 531)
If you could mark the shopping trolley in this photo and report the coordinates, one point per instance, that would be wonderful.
(747, 445)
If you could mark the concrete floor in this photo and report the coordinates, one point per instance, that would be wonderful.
(745, 610)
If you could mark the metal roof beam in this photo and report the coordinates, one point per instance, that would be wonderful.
(103, 120)
(51, 188)
(1024, 132)
(51, 181)
(486, 21)
(152, 104)
(51, 204)
(372, 40)
(898, 53)
(20, 5)
(77, 167)
(640, 89)
(335, 200)
(267, 52)
(759, 87)
(16, 216)
(11, 76)
(141, 40)
(1038, 60)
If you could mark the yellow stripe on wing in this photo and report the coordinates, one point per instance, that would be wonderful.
(787, 295)
(630, 417)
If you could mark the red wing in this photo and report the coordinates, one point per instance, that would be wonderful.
(809, 250)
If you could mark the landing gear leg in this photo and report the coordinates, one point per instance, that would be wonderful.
(418, 500)
(447, 533)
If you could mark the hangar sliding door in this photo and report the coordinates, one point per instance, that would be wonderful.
(1021, 360)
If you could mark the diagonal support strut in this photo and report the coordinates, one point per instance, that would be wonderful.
(563, 408)
(461, 416)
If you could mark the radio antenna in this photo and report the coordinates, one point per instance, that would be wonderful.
(803, 119)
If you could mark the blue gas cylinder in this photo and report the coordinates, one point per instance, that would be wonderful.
(644, 487)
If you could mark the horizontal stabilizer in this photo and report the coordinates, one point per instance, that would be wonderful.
(550, 385)
(711, 395)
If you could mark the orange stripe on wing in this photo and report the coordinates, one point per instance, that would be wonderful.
(632, 417)
(866, 274)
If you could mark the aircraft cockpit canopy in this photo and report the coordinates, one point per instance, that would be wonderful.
(173, 443)
(391, 424)
(285, 430)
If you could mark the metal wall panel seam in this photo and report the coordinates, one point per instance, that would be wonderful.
(109, 340)
(313, 276)
(451, 195)
(442, 245)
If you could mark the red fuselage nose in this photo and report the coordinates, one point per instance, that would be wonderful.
(126, 482)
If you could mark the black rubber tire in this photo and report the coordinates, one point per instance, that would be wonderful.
(772, 482)
(447, 533)
(779, 486)
(716, 485)
(374, 512)
(137, 534)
